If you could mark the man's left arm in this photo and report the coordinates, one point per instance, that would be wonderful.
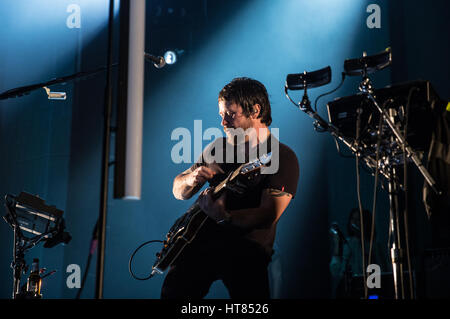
(273, 203)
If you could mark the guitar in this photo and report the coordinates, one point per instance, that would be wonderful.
(186, 227)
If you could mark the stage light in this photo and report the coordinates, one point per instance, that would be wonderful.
(368, 64)
(55, 95)
(27, 213)
(170, 57)
(314, 79)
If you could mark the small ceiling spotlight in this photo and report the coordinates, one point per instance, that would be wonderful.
(170, 57)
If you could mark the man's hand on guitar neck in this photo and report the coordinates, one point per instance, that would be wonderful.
(214, 208)
(191, 181)
(273, 203)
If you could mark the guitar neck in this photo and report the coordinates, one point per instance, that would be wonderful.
(215, 194)
(219, 189)
(222, 186)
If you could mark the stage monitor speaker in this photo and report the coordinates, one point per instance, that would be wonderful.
(128, 139)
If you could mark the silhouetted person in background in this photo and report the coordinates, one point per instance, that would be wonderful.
(346, 260)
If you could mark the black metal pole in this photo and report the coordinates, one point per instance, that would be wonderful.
(16, 271)
(396, 249)
(105, 162)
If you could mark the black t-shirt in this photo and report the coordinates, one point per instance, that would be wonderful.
(281, 173)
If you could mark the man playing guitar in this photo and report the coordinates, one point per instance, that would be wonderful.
(235, 244)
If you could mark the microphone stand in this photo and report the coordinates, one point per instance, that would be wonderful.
(22, 90)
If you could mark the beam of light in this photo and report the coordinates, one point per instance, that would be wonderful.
(45, 37)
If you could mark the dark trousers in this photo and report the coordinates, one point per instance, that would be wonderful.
(241, 265)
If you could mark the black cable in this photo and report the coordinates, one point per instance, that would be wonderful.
(320, 96)
(330, 92)
(315, 109)
(289, 98)
(405, 189)
(83, 281)
(374, 202)
(92, 247)
(132, 256)
(339, 149)
(358, 186)
(375, 187)
(316, 124)
(358, 191)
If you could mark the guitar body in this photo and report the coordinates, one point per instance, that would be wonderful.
(185, 228)
(181, 234)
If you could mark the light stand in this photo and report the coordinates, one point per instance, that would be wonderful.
(28, 213)
(315, 79)
(387, 166)
(303, 81)
(18, 263)
(363, 66)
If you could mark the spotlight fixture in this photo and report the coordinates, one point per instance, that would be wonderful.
(304, 80)
(170, 57)
(31, 215)
(368, 64)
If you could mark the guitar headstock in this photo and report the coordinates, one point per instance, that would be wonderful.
(247, 168)
(232, 183)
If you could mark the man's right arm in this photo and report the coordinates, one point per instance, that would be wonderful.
(191, 181)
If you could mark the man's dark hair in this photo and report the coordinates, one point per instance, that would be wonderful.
(247, 92)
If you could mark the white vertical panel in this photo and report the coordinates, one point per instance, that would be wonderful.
(135, 100)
